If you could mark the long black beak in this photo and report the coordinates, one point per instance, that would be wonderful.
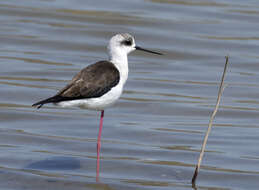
(146, 50)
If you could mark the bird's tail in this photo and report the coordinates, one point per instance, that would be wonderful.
(46, 101)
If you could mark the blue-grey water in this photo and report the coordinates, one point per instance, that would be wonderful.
(152, 136)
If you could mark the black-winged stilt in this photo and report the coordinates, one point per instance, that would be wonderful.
(99, 85)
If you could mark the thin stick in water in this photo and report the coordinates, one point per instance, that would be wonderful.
(221, 88)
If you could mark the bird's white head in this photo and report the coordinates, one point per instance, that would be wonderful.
(121, 45)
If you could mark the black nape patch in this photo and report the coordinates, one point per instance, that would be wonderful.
(127, 42)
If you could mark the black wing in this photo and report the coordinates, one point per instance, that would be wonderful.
(91, 82)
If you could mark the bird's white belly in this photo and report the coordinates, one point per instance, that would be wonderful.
(99, 103)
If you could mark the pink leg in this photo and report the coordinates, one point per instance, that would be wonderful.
(99, 146)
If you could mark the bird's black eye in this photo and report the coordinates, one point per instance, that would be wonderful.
(127, 42)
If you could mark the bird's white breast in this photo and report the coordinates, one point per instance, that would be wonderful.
(100, 103)
(120, 60)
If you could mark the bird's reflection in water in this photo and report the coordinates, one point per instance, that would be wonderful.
(56, 163)
(61, 163)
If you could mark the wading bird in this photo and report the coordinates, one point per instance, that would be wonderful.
(99, 85)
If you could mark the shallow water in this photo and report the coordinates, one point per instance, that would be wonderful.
(152, 137)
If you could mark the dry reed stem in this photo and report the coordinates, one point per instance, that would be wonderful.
(221, 88)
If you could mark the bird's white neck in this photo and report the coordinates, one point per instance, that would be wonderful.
(120, 60)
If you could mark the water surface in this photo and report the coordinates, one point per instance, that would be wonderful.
(152, 137)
